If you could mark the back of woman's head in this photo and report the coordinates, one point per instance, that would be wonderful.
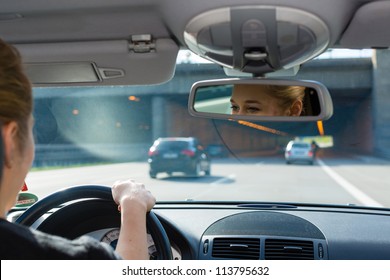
(15, 90)
(1, 155)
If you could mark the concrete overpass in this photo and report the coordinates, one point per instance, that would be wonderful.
(350, 83)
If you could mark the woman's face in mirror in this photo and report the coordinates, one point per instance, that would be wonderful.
(255, 100)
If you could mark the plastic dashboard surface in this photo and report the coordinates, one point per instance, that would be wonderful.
(231, 232)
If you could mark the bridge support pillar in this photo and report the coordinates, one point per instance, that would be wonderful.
(158, 117)
(381, 102)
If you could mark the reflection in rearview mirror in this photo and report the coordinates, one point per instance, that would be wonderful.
(261, 100)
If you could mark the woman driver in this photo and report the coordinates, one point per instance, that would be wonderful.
(267, 100)
(19, 242)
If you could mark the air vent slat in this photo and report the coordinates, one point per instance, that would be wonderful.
(281, 249)
(236, 248)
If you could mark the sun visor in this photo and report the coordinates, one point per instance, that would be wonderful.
(139, 61)
(369, 27)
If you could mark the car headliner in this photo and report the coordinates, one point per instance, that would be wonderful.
(90, 29)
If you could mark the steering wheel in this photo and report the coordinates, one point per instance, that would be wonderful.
(103, 195)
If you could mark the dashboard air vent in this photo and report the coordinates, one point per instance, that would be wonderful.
(236, 248)
(281, 249)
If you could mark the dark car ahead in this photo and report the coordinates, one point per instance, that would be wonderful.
(179, 154)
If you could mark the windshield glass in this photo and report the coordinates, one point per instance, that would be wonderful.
(97, 135)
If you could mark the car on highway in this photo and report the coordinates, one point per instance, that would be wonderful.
(111, 77)
(299, 152)
(178, 154)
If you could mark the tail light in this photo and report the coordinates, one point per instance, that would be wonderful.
(189, 153)
(152, 152)
(310, 153)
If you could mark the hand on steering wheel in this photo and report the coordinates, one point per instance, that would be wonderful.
(87, 192)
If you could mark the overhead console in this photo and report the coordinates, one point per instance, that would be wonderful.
(257, 39)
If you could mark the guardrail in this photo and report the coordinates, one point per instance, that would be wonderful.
(63, 154)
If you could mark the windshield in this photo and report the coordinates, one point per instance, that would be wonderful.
(97, 135)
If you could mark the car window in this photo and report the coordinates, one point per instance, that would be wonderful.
(300, 145)
(173, 145)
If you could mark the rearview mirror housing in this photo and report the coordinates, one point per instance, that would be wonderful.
(259, 99)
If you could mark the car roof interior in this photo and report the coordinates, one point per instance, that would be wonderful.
(106, 35)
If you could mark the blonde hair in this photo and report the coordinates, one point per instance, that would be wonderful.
(286, 95)
(16, 101)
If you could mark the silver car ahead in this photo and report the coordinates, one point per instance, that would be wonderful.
(299, 151)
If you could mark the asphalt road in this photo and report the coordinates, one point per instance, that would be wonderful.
(337, 180)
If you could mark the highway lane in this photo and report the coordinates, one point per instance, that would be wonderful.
(347, 180)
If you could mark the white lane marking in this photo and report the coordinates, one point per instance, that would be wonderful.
(215, 185)
(223, 180)
(350, 188)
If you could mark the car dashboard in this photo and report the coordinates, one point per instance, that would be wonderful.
(226, 231)
(248, 232)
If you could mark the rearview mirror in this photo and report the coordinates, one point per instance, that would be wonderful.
(260, 100)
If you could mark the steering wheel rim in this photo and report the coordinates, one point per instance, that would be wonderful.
(35, 211)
